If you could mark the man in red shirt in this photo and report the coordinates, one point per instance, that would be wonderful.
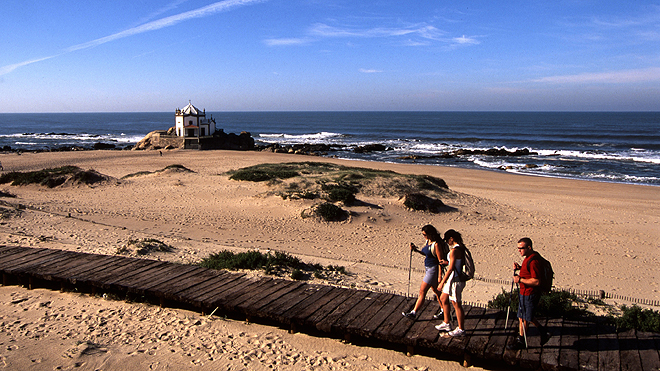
(530, 293)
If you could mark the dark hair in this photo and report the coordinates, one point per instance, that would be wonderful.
(431, 233)
(527, 241)
(455, 235)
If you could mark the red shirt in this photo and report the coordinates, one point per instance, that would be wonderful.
(533, 272)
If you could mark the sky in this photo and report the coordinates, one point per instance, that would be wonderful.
(334, 55)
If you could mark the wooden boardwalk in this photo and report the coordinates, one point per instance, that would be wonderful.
(338, 312)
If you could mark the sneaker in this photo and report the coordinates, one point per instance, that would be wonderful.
(410, 314)
(439, 315)
(545, 336)
(457, 332)
(516, 345)
(443, 327)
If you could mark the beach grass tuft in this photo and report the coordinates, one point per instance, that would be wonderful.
(169, 168)
(635, 317)
(143, 246)
(271, 263)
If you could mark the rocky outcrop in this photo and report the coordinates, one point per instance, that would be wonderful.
(166, 139)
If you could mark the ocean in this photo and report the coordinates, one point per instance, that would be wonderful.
(622, 147)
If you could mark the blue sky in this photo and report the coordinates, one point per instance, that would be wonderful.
(301, 55)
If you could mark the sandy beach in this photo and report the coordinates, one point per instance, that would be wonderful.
(599, 236)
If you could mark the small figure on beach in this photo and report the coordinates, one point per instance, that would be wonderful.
(529, 281)
(1, 168)
(452, 285)
(433, 250)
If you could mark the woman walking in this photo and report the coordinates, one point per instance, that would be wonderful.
(433, 250)
(452, 285)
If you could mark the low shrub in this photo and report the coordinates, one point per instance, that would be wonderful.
(330, 212)
(552, 304)
(637, 318)
(144, 246)
(249, 260)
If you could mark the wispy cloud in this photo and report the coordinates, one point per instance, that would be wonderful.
(463, 40)
(205, 11)
(286, 41)
(420, 34)
(651, 74)
(364, 70)
(424, 31)
(11, 67)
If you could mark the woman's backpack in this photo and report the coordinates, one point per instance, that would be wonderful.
(467, 272)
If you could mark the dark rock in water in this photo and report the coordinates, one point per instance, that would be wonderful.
(418, 201)
(371, 148)
(100, 145)
(500, 152)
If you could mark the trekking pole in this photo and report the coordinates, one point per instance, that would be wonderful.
(508, 309)
(409, 271)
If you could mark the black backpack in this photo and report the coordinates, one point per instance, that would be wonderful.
(546, 274)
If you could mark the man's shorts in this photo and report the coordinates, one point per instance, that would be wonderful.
(454, 288)
(431, 276)
(527, 305)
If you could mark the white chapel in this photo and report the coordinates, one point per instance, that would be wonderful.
(192, 123)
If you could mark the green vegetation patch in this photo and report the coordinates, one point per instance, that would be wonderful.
(553, 304)
(330, 212)
(272, 263)
(637, 318)
(336, 182)
(53, 177)
(564, 304)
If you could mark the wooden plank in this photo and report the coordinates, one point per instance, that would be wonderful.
(195, 287)
(308, 305)
(73, 267)
(398, 332)
(9, 259)
(359, 324)
(101, 272)
(279, 306)
(481, 333)
(69, 260)
(344, 311)
(550, 351)
(648, 350)
(179, 272)
(422, 328)
(169, 272)
(458, 344)
(230, 295)
(192, 273)
(131, 280)
(498, 337)
(106, 279)
(387, 318)
(588, 350)
(198, 296)
(300, 313)
(56, 257)
(252, 304)
(330, 306)
(7, 250)
(608, 348)
(12, 265)
(530, 358)
(568, 355)
(370, 300)
(629, 351)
